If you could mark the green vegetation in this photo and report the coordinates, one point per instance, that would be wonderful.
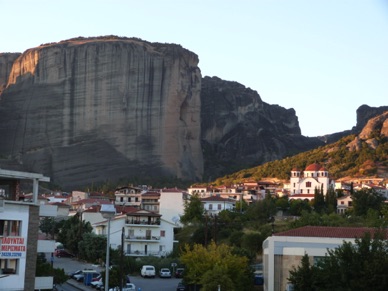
(359, 266)
(44, 268)
(215, 265)
(336, 157)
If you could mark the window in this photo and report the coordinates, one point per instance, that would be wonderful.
(162, 233)
(350, 203)
(10, 227)
(121, 199)
(9, 266)
(210, 206)
(219, 206)
(308, 184)
(342, 202)
(294, 185)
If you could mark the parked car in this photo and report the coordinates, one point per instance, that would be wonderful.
(164, 273)
(148, 271)
(181, 286)
(127, 287)
(97, 283)
(71, 274)
(179, 272)
(63, 253)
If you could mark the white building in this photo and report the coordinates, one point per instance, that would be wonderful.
(172, 204)
(313, 177)
(19, 228)
(215, 204)
(145, 233)
(283, 251)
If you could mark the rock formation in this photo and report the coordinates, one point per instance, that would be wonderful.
(92, 110)
(89, 110)
(373, 132)
(239, 130)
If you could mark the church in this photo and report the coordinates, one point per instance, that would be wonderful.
(305, 182)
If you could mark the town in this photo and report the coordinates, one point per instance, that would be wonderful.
(143, 221)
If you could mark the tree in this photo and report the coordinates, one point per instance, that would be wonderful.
(43, 268)
(71, 232)
(193, 210)
(92, 247)
(331, 200)
(358, 266)
(302, 277)
(232, 271)
(319, 200)
(366, 199)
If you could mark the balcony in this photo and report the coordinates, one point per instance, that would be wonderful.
(143, 222)
(144, 254)
(135, 238)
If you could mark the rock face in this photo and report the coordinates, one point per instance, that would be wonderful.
(92, 110)
(239, 130)
(6, 62)
(373, 132)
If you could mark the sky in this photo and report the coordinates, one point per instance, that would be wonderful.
(323, 58)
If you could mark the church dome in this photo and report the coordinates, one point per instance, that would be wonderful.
(313, 167)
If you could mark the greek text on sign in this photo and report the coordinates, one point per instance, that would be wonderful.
(12, 247)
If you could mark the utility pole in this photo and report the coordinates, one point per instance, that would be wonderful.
(122, 259)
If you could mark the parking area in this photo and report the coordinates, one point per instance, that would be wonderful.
(145, 284)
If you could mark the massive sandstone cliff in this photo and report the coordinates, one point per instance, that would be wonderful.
(85, 111)
(91, 110)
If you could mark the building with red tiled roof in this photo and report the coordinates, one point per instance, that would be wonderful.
(284, 250)
(313, 177)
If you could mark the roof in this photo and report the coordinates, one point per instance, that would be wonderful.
(313, 167)
(302, 196)
(328, 231)
(216, 198)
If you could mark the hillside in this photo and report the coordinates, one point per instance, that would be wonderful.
(356, 156)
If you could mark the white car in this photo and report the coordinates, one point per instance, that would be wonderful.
(148, 271)
(97, 284)
(127, 287)
(165, 273)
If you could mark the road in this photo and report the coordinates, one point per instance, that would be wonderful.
(146, 284)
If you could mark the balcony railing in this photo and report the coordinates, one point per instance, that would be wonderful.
(142, 253)
(142, 222)
(147, 237)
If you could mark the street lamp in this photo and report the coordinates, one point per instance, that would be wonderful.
(107, 211)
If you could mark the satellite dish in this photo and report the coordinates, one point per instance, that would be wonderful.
(175, 219)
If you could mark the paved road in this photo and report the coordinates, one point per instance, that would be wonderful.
(146, 284)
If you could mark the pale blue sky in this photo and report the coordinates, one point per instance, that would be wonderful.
(324, 58)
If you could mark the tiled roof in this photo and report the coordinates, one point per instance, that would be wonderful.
(173, 190)
(302, 196)
(327, 231)
(216, 198)
(313, 167)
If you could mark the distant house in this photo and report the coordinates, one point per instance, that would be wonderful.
(215, 204)
(172, 202)
(283, 251)
(129, 196)
(344, 203)
(145, 233)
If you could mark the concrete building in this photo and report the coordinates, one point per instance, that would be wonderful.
(172, 204)
(19, 228)
(283, 251)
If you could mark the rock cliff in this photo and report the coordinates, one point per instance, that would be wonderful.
(239, 130)
(6, 62)
(90, 110)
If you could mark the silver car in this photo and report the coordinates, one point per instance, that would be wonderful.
(165, 273)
